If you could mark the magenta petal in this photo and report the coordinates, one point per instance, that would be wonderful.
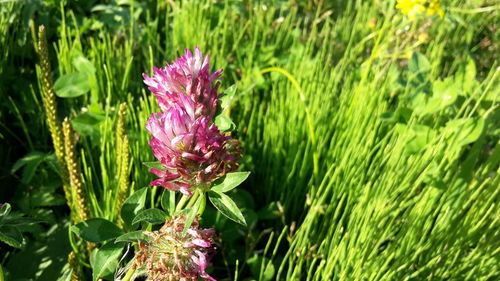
(207, 277)
(191, 156)
(185, 191)
(201, 243)
(157, 172)
(202, 263)
(158, 182)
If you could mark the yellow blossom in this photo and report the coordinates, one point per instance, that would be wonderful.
(412, 8)
(435, 8)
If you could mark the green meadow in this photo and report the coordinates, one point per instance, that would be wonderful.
(371, 138)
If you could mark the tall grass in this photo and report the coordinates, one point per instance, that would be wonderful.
(372, 188)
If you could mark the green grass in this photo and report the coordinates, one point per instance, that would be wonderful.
(388, 181)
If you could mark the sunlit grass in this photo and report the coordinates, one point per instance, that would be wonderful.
(356, 175)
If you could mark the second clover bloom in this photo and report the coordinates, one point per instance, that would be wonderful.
(171, 254)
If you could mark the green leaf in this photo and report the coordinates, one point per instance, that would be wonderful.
(229, 94)
(44, 251)
(402, 114)
(444, 93)
(466, 130)
(465, 77)
(226, 206)
(132, 237)
(133, 205)
(224, 123)
(230, 181)
(72, 85)
(168, 201)
(18, 220)
(83, 65)
(30, 162)
(153, 216)
(87, 123)
(418, 138)
(97, 230)
(419, 66)
(470, 70)
(105, 260)
(154, 165)
(388, 117)
(11, 236)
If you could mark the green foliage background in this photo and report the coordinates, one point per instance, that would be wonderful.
(382, 166)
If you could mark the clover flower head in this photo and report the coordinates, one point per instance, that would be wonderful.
(189, 76)
(184, 137)
(193, 151)
(171, 254)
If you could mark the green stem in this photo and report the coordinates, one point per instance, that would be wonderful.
(181, 203)
(129, 274)
(203, 203)
(1, 273)
(193, 199)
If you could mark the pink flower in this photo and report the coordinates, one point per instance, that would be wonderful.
(193, 151)
(187, 76)
(171, 254)
(184, 137)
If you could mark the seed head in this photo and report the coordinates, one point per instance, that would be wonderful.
(171, 254)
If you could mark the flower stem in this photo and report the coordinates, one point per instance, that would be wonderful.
(181, 203)
(193, 199)
(129, 274)
(201, 208)
(1, 273)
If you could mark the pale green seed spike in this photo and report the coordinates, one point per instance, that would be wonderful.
(75, 268)
(123, 182)
(50, 106)
(122, 161)
(78, 192)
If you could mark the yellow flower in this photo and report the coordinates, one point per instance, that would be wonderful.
(411, 8)
(435, 8)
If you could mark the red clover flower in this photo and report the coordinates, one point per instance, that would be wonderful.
(187, 76)
(184, 137)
